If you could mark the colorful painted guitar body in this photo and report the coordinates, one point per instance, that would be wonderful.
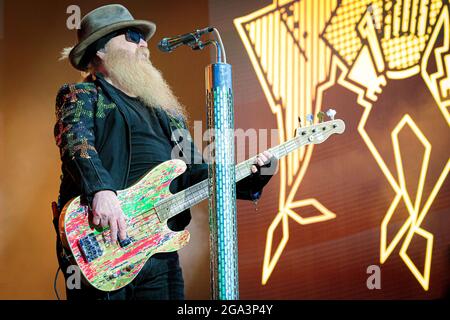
(110, 266)
(147, 206)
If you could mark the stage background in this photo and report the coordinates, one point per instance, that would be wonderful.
(296, 57)
(35, 33)
(325, 258)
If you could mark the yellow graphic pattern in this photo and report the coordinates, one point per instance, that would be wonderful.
(299, 49)
(290, 60)
(367, 73)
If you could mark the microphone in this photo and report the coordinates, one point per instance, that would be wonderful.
(168, 44)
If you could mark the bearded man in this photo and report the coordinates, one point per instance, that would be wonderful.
(116, 126)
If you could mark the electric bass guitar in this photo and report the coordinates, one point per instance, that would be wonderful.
(147, 206)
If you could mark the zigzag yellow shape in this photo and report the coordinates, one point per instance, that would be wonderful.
(385, 251)
(270, 261)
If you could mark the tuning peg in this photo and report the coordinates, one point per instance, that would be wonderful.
(321, 116)
(331, 113)
(310, 118)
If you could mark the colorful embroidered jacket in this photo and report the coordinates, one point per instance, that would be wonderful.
(93, 136)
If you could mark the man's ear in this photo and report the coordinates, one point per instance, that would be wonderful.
(101, 54)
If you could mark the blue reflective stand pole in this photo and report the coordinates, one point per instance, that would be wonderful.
(221, 167)
(222, 187)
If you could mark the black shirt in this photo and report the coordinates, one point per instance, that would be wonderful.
(150, 143)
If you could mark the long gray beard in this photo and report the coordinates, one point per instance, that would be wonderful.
(136, 75)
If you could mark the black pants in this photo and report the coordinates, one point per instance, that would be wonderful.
(161, 278)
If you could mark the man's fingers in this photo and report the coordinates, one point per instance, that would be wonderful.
(113, 228)
(96, 220)
(262, 159)
(104, 222)
(122, 228)
(268, 154)
(273, 160)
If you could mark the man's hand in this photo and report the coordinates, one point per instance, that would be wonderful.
(264, 159)
(107, 211)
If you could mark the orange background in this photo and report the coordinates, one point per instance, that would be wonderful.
(35, 32)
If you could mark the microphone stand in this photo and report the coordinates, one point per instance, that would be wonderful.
(221, 171)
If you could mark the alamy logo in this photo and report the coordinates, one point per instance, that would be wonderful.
(74, 19)
(74, 279)
(374, 280)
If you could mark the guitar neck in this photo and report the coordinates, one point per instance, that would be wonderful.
(195, 194)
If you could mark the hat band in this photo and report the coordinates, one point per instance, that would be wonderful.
(100, 44)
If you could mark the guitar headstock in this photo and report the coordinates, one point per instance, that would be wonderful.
(318, 133)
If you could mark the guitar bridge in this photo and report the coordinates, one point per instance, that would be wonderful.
(90, 247)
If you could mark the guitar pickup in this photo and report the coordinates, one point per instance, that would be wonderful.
(90, 247)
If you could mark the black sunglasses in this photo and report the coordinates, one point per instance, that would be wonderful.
(134, 36)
